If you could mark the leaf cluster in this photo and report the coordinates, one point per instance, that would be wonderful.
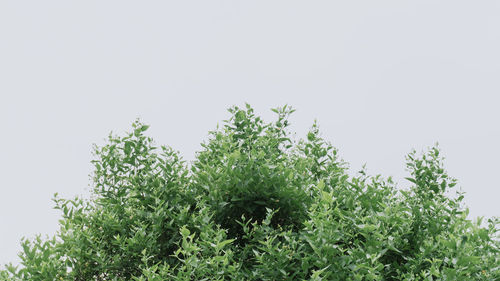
(258, 205)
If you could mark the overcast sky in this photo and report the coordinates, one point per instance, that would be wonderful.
(381, 78)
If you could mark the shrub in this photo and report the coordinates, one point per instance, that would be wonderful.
(250, 166)
(258, 205)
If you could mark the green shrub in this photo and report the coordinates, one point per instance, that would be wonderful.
(250, 166)
(257, 204)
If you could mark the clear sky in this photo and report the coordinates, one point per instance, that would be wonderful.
(381, 77)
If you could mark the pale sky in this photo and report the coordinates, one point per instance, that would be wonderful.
(381, 78)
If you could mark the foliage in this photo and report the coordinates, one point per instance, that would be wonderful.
(259, 205)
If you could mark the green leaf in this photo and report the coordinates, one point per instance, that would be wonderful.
(144, 128)
(321, 184)
(185, 232)
(483, 234)
(222, 244)
(412, 180)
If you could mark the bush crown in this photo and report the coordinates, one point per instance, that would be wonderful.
(259, 205)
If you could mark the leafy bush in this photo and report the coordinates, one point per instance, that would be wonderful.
(259, 205)
(250, 166)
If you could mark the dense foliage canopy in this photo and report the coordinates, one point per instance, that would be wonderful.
(259, 205)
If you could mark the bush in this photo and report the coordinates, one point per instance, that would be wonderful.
(259, 205)
(250, 166)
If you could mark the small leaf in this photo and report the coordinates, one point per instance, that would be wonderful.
(224, 243)
(185, 232)
(483, 233)
(310, 136)
(412, 180)
(144, 128)
(321, 184)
